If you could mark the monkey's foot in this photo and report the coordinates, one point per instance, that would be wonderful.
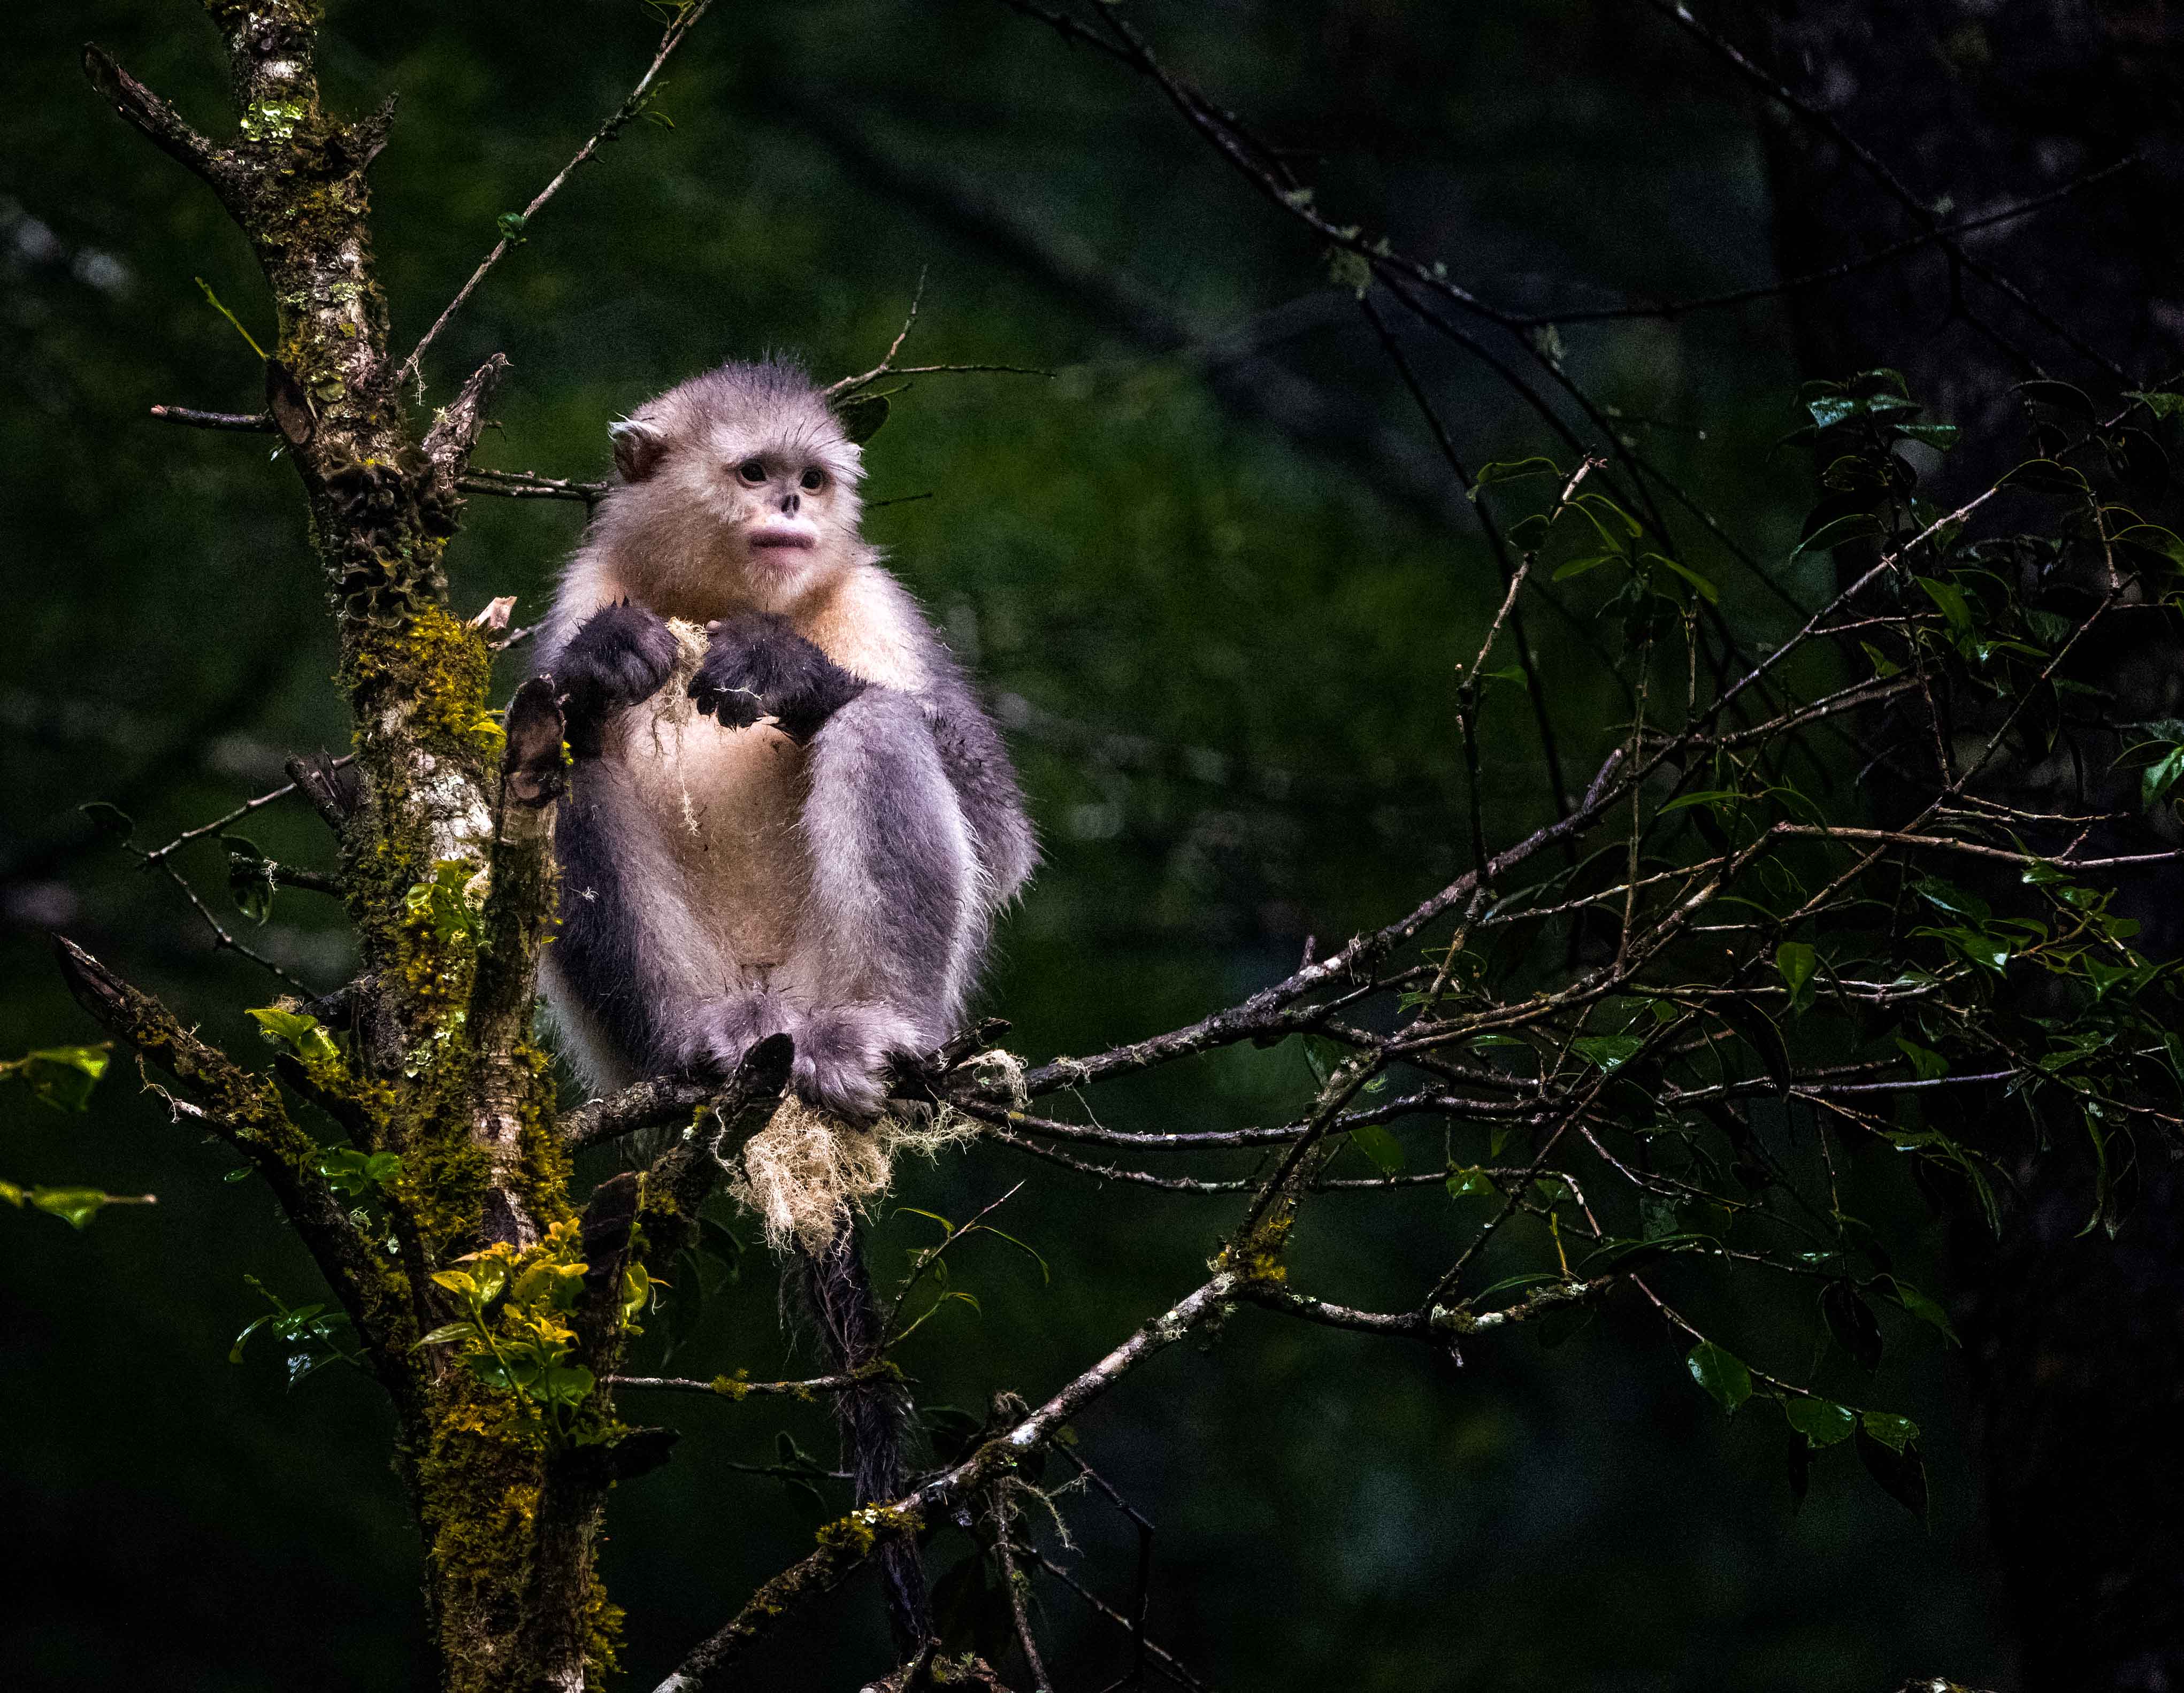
(718, 1032)
(842, 1057)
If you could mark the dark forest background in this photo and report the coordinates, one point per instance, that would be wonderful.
(1218, 580)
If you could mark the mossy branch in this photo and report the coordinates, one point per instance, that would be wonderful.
(245, 1109)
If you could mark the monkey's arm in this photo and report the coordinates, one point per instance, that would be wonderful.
(620, 656)
(978, 766)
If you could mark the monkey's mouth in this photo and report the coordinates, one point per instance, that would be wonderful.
(773, 535)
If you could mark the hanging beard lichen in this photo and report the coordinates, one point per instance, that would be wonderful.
(807, 1172)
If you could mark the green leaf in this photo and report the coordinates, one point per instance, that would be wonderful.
(1796, 962)
(1711, 796)
(445, 901)
(566, 1385)
(1380, 1145)
(1822, 1422)
(1607, 1051)
(1939, 435)
(1951, 599)
(2160, 777)
(1928, 1065)
(1854, 526)
(439, 1337)
(305, 1036)
(1032, 1252)
(74, 1206)
(1623, 1256)
(250, 882)
(1896, 1433)
(1918, 1304)
(1578, 567)
(2062, 396)
(1951, 899)
(1851, 1321)
(1706, 590)
(2161, 405)
(861, 417)
(2045, 476)
(61, 1077)
(108, 820)
(1722, 1373)
(1511, 470)
(1473, 1183)
(1899, 1469)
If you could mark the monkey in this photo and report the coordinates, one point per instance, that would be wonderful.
(822, 852)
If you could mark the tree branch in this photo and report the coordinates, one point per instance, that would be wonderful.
(253, 422)
(245, 1111)
(844, 1544)
(685, 21)
(154, 119)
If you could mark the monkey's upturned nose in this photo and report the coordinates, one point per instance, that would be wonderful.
(789, 502)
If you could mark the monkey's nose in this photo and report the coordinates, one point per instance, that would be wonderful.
(789, 502)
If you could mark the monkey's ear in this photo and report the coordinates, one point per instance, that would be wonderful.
(638, 449)
(861, 418)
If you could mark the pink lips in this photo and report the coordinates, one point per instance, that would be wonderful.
(783, 537)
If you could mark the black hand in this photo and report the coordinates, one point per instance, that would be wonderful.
(623, 655)
(759, 666)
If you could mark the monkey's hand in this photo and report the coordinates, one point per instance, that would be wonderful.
(622, 656)
(759, 666)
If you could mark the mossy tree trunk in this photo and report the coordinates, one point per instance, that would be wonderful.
(491, 1312)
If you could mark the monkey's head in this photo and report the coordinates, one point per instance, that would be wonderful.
(739, 490)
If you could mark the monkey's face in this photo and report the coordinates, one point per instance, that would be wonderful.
(754, 508)
(787, 503)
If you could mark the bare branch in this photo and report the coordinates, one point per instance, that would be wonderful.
(649, 1104)
(236, 815)
(844, 1546)
(527, 485)
(684, 22)
(153, 117)
(735, 1387)
(253, 422)
(454, 432)
(1161, 1659)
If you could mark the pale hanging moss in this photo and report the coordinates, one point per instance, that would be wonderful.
(808, 1172)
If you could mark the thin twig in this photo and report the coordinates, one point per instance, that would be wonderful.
(685, 21)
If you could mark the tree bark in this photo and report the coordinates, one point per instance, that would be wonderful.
(447, 860)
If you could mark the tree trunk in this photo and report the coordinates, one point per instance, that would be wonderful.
(448, 871)
(2076, 1342)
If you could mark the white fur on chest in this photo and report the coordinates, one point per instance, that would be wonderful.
(727, 805)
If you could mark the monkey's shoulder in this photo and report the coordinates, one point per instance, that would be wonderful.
(867, 623)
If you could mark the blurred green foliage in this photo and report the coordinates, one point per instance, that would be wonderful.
(1218, 654)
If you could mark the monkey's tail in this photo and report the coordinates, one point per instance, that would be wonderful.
(873, 1418)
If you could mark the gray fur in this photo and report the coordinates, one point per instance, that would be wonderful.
(911, 829)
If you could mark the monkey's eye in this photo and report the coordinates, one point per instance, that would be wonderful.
(752, 470)
(813, 480)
